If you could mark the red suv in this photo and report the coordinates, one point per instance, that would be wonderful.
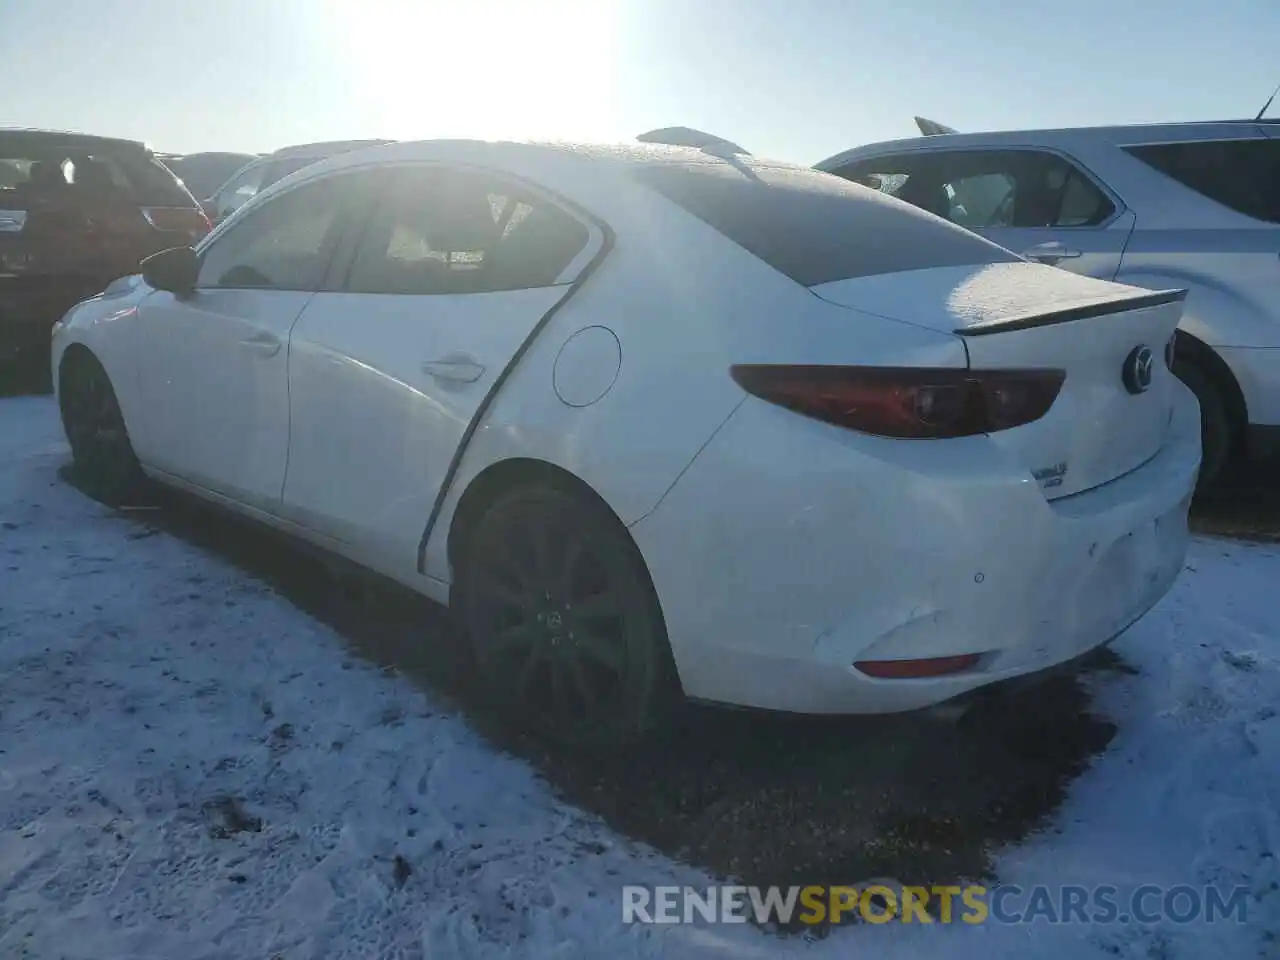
(76, 212)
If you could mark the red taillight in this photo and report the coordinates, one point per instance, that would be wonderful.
(915, 669)
(913, 403)
(186, 220)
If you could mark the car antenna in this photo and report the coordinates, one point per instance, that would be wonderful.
(1267, 106)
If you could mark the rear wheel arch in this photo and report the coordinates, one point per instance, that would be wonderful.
(649, 690)
(500, 478)
(1203, 356)
(1224, 415)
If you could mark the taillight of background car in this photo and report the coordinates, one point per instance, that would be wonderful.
(914, 403)
(185, 220)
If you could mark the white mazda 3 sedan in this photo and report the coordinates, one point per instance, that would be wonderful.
(658, 422)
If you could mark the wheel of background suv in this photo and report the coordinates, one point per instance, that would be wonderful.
(104, 462)
(563, 621)
(1215, 422)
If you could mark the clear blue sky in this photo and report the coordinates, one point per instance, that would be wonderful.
(794, 79)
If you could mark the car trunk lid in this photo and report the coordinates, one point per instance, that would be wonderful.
(1114, 409)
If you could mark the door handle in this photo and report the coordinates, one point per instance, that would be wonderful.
(461, 369)
(266, 344)
(1050, 252)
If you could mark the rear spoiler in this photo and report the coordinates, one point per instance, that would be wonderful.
(1068, 314)
(698, 139)
(931, 128)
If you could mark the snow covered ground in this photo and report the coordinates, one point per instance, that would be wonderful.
(191, 768)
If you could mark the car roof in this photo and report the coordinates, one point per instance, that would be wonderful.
(600, 177)
(1063, 136)
(325, 148)
(617, 156)
(43, 139)
(209, 154)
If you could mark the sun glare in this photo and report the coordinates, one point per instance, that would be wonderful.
(490, 69)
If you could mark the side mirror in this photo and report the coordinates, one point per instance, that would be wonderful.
(175, 270)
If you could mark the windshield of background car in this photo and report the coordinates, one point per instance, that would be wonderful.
(279, 169)
(815, 227)
(241, 188)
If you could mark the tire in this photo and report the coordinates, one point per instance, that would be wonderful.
(1216, 434)
(103, 462)
(562, 620)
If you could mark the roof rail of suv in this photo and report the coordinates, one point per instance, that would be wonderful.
(67, 139)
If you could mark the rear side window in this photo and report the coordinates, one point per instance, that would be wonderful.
(1243, 175)
(154, 184)
(51, 172)
(989, 189)
(446, 231)
(814, 227)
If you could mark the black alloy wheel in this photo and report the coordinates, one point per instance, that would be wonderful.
(563, 621)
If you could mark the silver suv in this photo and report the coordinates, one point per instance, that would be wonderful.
(260, 173)
(1194, 205)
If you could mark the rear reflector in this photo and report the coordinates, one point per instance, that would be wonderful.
(909, 669)
(914, 403)
(186, 220)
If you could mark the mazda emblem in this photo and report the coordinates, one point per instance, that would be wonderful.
(1138, 369)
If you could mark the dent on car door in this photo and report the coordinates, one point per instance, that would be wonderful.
(455, 273)
(216, 375)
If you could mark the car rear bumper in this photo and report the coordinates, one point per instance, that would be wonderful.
(789, 551)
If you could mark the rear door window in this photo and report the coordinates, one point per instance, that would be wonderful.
(1243, 175)
(813, 227)
(980, 189)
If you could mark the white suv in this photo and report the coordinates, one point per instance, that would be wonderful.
(1194, 205)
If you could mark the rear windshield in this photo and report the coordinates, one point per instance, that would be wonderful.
(51, 171)
(815, 227)
(1241, 174)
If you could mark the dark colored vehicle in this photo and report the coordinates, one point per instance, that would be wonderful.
(76, 212)
(203, 173)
